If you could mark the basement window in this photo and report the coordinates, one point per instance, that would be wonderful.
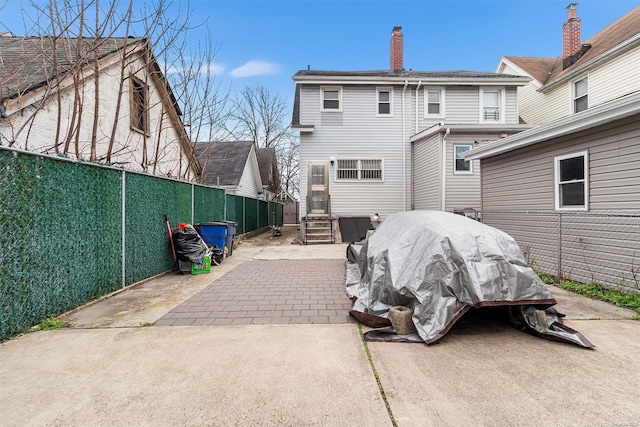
(362, 170)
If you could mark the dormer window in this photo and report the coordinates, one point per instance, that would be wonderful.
(331, 98)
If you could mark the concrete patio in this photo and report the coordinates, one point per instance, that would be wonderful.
(110, 367)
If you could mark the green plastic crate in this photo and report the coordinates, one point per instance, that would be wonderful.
(203, 268)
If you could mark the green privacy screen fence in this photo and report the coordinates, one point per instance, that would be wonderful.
(73, 231)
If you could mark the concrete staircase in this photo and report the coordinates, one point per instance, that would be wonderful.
(318, 229)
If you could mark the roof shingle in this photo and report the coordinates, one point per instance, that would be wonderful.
(27, 63)
(222, 162)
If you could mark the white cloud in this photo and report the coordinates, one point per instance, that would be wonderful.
(216, 69)
(255, 68)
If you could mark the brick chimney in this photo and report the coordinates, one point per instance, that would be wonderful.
(396, 49)
(571, 33)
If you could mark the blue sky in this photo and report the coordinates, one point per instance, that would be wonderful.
(266, 42)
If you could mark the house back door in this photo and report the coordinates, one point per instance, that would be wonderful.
(318, 187)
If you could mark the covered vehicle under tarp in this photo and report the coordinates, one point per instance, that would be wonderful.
(441, 265)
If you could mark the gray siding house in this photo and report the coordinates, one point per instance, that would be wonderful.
(389, 141)
(569, 192)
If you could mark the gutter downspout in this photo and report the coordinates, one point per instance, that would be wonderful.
(444, 166)
(404, 150)
(417, 104)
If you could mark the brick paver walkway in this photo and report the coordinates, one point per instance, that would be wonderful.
(263, 292)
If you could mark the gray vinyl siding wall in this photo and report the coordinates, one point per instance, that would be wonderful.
(463, 190)
(462, 104)
(595, 247)
(614, 175)
(356, 133)
(511, 105)
(427, 164)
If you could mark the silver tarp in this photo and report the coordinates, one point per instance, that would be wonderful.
(441, 265)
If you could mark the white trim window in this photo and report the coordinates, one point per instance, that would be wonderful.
(491, 105)
(433, 102)
(572, 181)
(331, 98)
(359, 170)
(580, 94)
(385, 101)
(460, 165)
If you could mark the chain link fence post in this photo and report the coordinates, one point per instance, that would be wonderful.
(559, 243)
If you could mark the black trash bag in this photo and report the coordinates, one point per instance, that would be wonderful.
(216, 253)
(188, 245)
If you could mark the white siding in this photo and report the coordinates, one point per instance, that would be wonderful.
(528, 101)
(427, 179)
(615, 78)
(511, 105)
(462, 104)
(547, 107)
(607, 81)
(247, 184)
(131, 149)
(356, 133)
(463, 190)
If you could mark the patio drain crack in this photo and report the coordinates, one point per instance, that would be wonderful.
(377, 377)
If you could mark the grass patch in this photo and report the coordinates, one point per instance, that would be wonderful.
(51, 322)
(614, 296)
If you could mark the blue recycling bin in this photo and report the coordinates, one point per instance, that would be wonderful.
(213, 233)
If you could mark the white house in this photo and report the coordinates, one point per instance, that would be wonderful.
(232, 165)
(390, 140)
(101, 100)
(603, 68)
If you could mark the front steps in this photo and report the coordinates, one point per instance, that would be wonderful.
(317, 229)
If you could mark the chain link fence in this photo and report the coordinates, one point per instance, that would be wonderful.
(586, 247)
(74, 231)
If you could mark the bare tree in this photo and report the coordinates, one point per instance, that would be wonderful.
(288, 156)
(262, 116)
(71, 35)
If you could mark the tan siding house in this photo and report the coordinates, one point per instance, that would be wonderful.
(576, 178)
